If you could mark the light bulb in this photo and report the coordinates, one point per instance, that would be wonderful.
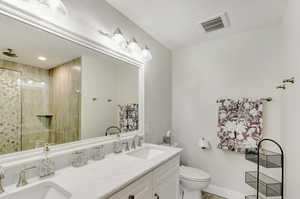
(55, 5)
(134, 48)
(147, 56)
(118, 37)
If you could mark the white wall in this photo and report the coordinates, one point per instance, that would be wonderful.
(92, 15)
(127, 84)
(241, 65)
(103, 79)
(291, 98)
(98, 81)
(95, 15)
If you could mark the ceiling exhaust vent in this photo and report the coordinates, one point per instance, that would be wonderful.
(215, 23)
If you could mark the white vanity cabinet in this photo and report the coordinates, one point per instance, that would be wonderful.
(161, 183)
(140, 189)
(166, 180)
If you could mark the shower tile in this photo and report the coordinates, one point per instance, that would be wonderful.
(34, 100)
(10, 111)
(65, 125)
(25, 95)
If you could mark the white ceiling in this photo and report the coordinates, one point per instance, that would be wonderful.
(175, 22)
(30, 43)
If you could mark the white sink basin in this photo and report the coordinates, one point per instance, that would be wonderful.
(146, 153)
(44, 190)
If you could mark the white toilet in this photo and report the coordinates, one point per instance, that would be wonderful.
(192, 182)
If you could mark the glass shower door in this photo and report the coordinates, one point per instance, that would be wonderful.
(10, 111)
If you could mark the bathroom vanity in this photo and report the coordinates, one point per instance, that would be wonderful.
(148, 172)
(161, 182)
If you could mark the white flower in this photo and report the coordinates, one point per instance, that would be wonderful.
(226, 103)
(230, 126)
(251, 142)
(232, 135)
(222, 115)
(254, 112)
(247, 105)
(240, 136)
(251, 130)
(240, 127)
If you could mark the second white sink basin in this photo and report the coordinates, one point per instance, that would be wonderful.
(146, 153)
(44, 190)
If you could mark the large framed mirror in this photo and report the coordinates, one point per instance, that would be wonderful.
(55, 91)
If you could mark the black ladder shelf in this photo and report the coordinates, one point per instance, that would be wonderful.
(265, 185)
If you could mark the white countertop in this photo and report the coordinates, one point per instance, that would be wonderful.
(101, 179)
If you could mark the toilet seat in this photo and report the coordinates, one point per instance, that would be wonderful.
(192, 174)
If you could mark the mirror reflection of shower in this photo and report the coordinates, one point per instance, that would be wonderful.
(34, 104)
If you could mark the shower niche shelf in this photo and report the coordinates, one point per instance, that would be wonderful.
(45, 115)
(265, 185)
(268, 186)
(267, 159)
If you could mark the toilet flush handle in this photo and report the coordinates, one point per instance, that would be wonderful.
(156, 196)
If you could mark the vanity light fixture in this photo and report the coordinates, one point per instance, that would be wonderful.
(147, 55)
(41, 58)
(131, 46)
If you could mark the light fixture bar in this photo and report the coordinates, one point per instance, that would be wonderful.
(131, 46)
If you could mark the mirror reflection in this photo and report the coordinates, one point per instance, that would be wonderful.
(54, 91)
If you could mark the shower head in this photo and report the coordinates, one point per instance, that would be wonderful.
(10, 53)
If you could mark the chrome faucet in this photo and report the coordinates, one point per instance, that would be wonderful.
(47, 166)
(133, 145)
(108, 133)
(2, 176)
(22, 176)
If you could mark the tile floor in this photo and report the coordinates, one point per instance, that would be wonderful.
(206, 195)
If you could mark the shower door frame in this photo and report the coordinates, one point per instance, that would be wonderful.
(21, 15)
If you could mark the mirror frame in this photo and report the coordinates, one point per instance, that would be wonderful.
(44, 25)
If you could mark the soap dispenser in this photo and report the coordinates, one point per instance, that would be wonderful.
(47, 166)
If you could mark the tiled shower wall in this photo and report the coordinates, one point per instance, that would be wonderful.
(26, 100)
(33, 83)
(65, 102)
(10, 111)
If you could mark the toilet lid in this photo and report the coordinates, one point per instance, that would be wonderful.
(193, 174)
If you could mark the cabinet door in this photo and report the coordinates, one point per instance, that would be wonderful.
(166, 181)
(168, 186)
(140, 189)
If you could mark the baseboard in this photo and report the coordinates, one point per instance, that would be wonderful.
(224, 192)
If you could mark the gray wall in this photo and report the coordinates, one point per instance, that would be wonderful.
(247, 64)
